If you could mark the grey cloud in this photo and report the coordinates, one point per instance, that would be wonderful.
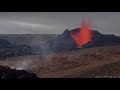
(57, 22)
(32, 25)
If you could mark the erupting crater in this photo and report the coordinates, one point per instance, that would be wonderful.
(83, 36)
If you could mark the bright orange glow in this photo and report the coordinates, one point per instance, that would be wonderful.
(83, 36)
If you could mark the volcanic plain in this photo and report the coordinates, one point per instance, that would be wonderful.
(97, 62)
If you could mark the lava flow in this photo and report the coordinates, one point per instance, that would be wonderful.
(83, 36)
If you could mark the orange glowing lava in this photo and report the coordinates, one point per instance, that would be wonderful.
(83, 36)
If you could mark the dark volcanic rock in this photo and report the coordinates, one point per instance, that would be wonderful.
(7, 72)
(22, 49)
(103, 40)
(62, 42)
(9, 50)
(4, 42)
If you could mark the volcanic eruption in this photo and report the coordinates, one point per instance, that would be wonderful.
(83, 35)
(79, 38)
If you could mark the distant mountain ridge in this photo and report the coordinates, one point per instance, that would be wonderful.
(28, 39)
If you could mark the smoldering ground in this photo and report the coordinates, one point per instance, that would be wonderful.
(42, 56)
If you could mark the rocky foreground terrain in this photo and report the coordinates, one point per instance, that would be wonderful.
(7, 72)
(97, 62)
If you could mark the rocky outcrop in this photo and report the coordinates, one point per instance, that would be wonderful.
(7, 72)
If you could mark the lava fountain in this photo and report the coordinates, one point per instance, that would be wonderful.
(83, 36)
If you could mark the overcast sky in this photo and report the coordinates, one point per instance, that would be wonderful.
(57, 22)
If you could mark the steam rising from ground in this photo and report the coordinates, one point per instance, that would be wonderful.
(23, 64)
(29, 62)
(39, 49)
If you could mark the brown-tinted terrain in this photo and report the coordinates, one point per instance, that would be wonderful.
(94, 62)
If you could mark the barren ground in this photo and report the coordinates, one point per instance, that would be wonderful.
(86, 63)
